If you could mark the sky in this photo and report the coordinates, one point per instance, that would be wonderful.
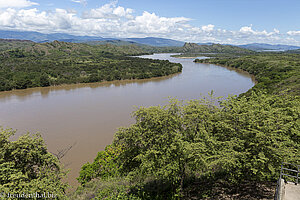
(217, 21)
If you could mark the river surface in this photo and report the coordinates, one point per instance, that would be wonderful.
(86, 116)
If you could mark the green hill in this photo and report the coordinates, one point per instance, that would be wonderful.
(214, 48)
(12, 44)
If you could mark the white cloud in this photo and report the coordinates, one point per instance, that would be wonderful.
(151, 23)
(248, 30)
(208, 28)
(111, 20)
(276, 31)
(109, 10)
(294, 33)
(16, 3)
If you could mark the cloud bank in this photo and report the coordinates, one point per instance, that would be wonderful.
(111, 20)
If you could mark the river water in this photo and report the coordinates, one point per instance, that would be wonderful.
(86, 116)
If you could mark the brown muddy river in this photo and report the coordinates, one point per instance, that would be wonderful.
(88, 115)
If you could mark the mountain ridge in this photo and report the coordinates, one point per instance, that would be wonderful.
(152, 41)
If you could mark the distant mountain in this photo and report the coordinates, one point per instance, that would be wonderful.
(41, 37)
(262, 47)
(114, 42)
(213, 48)
(153, 41)
(207, 43)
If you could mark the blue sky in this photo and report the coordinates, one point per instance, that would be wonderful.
(219, 21)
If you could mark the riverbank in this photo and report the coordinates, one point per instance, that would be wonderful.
(274, 72)
(72, 86)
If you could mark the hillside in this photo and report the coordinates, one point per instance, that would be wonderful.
(12, 44)
(214, 48)
(29, 64)
(143, 47)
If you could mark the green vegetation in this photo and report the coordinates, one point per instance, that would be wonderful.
(27, 167)
(275, 72)
(193, 50)
(38, 65)
(13, 44)
(214, 48)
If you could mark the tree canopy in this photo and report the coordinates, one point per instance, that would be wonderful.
(26, 167)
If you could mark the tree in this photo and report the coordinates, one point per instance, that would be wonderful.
(156, 146)
(104, 166)
(27, 167)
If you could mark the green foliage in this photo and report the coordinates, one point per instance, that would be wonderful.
(112, 189)
(27, 167)
(255, 134)
(163, 143)
(104, 166)
(8, 44)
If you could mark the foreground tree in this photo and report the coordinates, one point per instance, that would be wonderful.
(26, 167)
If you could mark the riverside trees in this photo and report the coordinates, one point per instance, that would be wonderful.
(244, 139)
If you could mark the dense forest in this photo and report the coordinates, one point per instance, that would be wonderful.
(24, 64)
